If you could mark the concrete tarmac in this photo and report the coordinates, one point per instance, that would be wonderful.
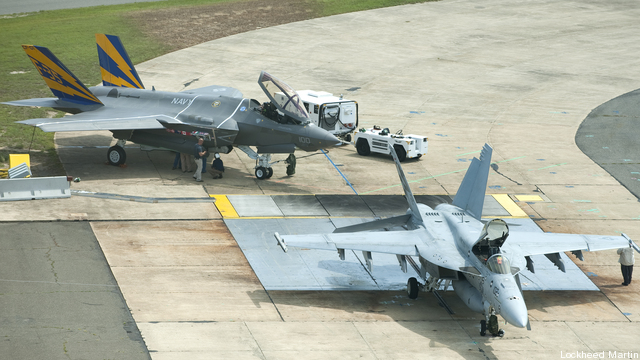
(519, 75)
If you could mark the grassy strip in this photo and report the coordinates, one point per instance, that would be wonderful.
(69, 35)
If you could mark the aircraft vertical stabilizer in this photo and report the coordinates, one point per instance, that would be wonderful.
(115, 66)
(60, 80)
(470, 195)
(413, 205)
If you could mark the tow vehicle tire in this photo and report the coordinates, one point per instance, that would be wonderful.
(269, 173)
(483, 327)
(400, 151)
(413, 288)
(261, 173)
(116, 155)
(363, 147)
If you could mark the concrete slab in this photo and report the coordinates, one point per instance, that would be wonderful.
(292, 205)
(59, 297)
(254, 205)
(345, 205)
(182, 271)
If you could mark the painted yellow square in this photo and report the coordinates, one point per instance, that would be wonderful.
(17, 159)
(526, 198)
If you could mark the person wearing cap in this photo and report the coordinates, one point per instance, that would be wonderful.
(217, 167)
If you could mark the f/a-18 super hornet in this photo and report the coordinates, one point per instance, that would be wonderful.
(174, 120)
(482, 260)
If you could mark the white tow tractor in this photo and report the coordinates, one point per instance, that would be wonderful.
(377, 140)
(337, 115)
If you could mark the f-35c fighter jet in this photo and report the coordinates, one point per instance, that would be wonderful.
(174, 120)
(483, 261)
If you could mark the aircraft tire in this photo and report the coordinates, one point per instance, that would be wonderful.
(483, 327)
(412, 288)
(261, 173)
(363, 147)
(401, 152)
(269, 173)
(116, 155)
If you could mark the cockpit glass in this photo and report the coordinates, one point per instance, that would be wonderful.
(499, 264)
(284, 97)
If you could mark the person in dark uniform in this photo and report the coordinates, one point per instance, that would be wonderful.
(199, 153)
(217, 167)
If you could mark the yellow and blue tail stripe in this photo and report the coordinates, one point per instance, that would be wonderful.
(115, 65)
(60, 80)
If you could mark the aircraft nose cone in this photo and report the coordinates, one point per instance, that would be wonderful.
(331, 140)
(323, 139)
(514, 311)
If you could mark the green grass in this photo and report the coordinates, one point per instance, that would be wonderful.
(70, 35)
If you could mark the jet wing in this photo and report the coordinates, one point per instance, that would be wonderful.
(527, 244)
(437, 251)
(396, 242)
(101, 120)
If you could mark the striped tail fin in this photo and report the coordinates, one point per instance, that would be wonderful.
(115, 65)
(470, 195)
(60, 80)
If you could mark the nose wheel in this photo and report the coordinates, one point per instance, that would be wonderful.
(264, 172)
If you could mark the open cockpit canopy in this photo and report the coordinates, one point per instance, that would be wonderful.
(284, 97)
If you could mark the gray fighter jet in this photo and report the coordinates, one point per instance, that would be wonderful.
(452, 243)
(174, 120)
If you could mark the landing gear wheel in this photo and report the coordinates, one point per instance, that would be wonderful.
(363, 147)
(401, 152)
(116, 155)
(347, 138)
(483, 327)
(261, 173)
(413, 288)
(269, 173)
(501, 333)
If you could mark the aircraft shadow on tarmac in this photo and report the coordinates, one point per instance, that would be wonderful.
(428, 320)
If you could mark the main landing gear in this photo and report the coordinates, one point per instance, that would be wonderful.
(116, 154)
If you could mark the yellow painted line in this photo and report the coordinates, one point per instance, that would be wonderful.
(530, 198)
(510, 205)
(224, 206)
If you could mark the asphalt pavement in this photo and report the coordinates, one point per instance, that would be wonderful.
(14, 6)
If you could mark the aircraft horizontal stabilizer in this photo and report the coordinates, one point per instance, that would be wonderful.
(41, 102)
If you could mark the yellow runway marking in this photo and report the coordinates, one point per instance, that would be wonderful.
(529, 198)
(505, 201)
(224, 206)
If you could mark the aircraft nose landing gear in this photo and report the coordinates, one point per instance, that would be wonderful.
(264, 173)
(492, 326)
